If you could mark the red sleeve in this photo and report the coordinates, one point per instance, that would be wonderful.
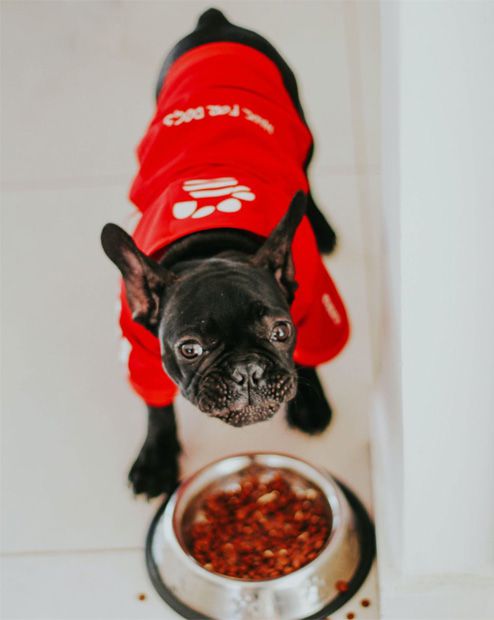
(324, 329)
(146, 374)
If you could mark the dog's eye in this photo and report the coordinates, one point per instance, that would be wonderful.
(281, 332)
(190, 349)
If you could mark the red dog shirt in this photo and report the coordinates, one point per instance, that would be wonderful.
(226, 149)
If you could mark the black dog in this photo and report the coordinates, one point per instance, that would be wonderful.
(218, 301)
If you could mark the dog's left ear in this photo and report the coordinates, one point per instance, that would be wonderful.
(276, 253)
(145, 280)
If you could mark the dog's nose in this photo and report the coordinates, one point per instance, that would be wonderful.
(248, 374)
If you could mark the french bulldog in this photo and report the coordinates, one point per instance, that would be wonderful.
(225, 296)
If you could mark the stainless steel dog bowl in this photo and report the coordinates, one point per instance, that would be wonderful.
(311, 592)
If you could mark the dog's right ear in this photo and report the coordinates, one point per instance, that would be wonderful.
(145, 280)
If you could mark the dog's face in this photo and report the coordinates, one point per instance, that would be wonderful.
(227, 340)
(224, 325)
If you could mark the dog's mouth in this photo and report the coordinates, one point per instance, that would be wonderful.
(224, 400)
(251, 414)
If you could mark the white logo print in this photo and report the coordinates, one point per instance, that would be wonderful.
(201, 189)
(333, 313)
(179, 117)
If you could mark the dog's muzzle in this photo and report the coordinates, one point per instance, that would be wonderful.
(246, 392)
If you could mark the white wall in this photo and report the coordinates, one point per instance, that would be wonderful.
(438, 196)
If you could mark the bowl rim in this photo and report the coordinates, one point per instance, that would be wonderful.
(367, 543)
(324, 481)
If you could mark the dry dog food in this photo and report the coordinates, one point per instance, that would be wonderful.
(262, 529)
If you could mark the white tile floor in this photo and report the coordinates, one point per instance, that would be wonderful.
(106, 585)
(77, 83)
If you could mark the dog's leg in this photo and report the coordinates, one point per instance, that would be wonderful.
(155, 470)
(325, 235)
(309, 411)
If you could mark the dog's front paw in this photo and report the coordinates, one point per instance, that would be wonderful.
(311, 417)
(309, 411)
(155, 470)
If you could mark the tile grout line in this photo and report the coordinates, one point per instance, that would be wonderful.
(65, 552)
(353, 55)
(360, 153)
(125, 178)
(67, 183)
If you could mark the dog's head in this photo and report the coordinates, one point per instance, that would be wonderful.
(224, 324)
